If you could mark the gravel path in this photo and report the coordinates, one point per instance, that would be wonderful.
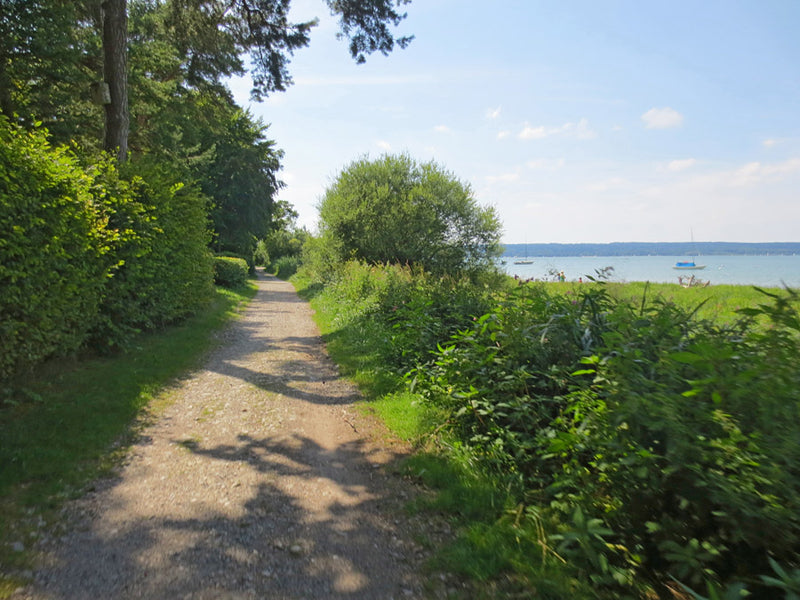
(259, 481)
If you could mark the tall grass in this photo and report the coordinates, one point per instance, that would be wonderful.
(719, 303)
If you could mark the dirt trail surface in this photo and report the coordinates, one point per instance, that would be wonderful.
(259, 481)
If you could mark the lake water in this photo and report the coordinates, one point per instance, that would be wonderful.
(766, 271)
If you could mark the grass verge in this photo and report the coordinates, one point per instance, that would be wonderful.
(70, 421)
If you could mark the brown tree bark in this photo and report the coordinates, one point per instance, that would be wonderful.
(115, 73)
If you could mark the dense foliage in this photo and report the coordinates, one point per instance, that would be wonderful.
(395, 210)
(230, 272)
(282, 248)
(162, 268)
(89, 256)
(93, 253)
(49, 56)
(632, 439)
(676, 435)
(53, 247)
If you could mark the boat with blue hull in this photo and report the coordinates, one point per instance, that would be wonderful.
(688, 265)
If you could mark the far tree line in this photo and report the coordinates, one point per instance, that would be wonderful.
(654, 249)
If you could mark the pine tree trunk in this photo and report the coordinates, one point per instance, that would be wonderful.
(6, 103)
(115, 72)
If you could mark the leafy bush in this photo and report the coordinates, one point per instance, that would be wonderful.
(163, 266)
(642, 442)
(249, 259)
(286, 266)
(230, 272)
(89, 255)
(426, 312)
(674, 437)
(284, 242)
(261, 255)
(53, 250)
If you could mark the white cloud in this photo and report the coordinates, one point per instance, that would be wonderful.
(534, 133)
(503, 177)
(662, 118)
(492, 113)
(608, 184)
(769, 143)
(383, 145)
(583, 131)
(681, 164)
(749, 181)
(754, 172)
(442, 129)
(580, 130)
(503, 134)
(545, 164)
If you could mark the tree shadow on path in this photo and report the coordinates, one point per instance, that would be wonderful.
(315, 523)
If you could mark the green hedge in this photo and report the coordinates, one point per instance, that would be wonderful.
(89, 255)
(163, 269)
(230, 272)
(53, 250)
(249, 259)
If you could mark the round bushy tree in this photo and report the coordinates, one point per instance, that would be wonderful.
(395, 210)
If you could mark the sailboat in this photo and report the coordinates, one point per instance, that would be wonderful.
(689, 265)
(524, 261)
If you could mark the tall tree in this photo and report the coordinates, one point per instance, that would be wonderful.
(115, 73)
(215, 34)
(49, 55)
(241, 179)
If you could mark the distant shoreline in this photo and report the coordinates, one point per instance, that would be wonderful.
(655, 249)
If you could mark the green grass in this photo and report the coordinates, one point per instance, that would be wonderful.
(719, 302)
(355, 347)
(70, 421)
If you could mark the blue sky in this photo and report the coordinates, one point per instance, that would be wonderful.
(579, 121)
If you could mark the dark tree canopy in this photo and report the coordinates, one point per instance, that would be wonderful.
(51, 49)
(49, 54)
(215, 35)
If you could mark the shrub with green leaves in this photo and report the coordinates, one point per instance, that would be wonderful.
(230, 272)
(286, 266)
(89, 255)
(53, 250)
(685, 439)
(675, 436)
(163, 267)
(415, 310)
